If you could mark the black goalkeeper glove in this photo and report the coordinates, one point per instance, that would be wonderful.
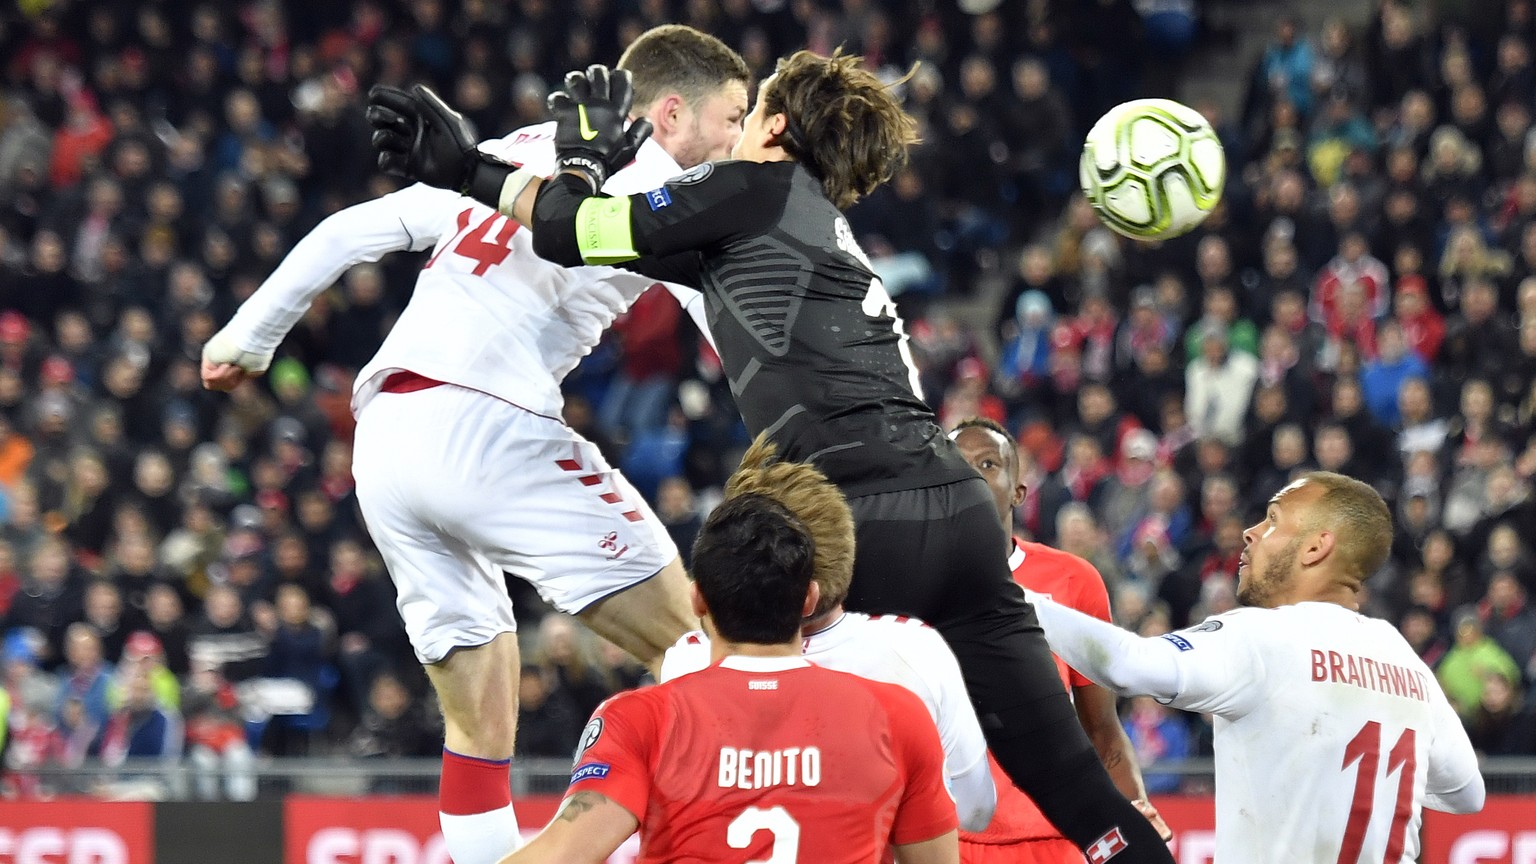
(590, 111)
(420, 138)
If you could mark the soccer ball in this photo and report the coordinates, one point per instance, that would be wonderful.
(1152, 168)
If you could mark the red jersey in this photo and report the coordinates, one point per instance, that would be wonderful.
(769, 758)
(1070, 581)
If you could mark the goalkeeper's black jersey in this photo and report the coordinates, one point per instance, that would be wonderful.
(815, 353)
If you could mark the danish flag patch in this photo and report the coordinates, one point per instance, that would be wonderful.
(1106, 847)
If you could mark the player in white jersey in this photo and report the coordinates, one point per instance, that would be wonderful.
(463, 466)
(1331, 735)
(893, 649)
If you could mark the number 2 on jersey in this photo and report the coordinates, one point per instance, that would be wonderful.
(774, 820)
(1365, 748)
(477, 244)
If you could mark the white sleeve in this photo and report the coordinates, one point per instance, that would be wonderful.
(934, 675)
(1212, 667)
(692, 302)
(1454, 784)
(410, 219)
(688, 655)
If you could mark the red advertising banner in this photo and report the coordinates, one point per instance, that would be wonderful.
(1193, 820)
(400, 830)
(76, 831)
(1503, 833)
(403, 830)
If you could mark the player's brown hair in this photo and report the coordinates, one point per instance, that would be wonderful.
(752, 563)
(806, 492)
(843, 124)
(676, 58)
(1359, 519)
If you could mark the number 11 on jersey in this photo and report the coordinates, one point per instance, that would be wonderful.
(1365, 748)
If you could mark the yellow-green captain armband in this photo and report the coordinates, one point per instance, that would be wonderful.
(603, 232)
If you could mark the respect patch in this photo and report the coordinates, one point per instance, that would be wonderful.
(1179, 642)
(590, 771)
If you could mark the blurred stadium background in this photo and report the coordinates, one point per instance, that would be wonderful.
(192, 612)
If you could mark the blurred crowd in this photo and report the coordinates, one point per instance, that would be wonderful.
(184, 575)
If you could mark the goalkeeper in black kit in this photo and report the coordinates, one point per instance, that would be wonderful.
(818, 362)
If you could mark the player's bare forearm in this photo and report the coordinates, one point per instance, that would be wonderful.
(1096, 711)
(944, 849)
(521, 210)
(588, 829)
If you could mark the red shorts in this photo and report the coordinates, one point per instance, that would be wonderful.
(1055, 851)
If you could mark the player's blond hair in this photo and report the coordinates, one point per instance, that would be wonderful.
(806, 492)
(1359, 519)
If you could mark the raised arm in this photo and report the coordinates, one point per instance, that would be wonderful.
(1095, 706)
(400, 221)
(419, 136)
(1208, 670)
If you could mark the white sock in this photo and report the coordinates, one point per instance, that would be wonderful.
(481, 838)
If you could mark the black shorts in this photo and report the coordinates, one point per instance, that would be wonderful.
(941, 554)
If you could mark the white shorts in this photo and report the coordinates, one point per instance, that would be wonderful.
(456, 486)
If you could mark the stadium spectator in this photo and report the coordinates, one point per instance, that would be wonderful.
(144, 654)
(103, 610)
(163, 612)
(154, 171)
(142, 727)
(1504, 723)
(1219, 385)
(1025, 365)
(1473, 658)
(1383, 376)
(677, 507)
(1422, 326)
(226, 638)
(51, 598)
(547, 714)
(1158, 735)
(1509, 621)
(1127, 492)
(393, 725)
(221, 757)
(566, 652)
(86, 680)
